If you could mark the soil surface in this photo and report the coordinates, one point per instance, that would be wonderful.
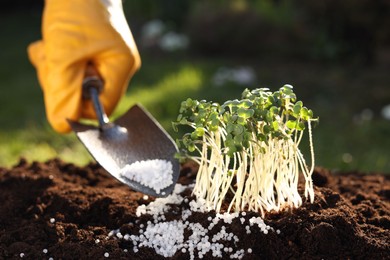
(62, 211)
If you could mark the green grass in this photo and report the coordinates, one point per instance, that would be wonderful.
(336, 94)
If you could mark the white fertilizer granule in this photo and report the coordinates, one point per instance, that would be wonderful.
(214, 237)
(156, 174)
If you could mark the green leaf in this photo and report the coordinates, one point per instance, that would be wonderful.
(297, 108)
(274, 110)
(300, 126)
(304, 113)
(238, 129)
(202, 113)
(261, 137)
(245, 112)
(271, 100)
(246, 93)
(199, 131)
(291, 124)
(194, 136)
(241, 121)
(213, 128)
(183, 121)
(247, 137)
(215, 121)
(178, 143)
(239, 148)
(269, 117)
(267, 129)
(174, 126)
(178, 156)
(229, 128)
(238, 139)
(287, 91)
(231, 150)
(275, 125)
(246, 103)
(310, 113)
(276, 134)
(189, 102)
(191, 148)
(235, 102)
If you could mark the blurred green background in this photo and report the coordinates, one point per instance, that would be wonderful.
(336, 54)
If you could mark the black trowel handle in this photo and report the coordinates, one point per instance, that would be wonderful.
(92, 86)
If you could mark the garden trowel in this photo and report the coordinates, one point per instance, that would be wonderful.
(134, 149)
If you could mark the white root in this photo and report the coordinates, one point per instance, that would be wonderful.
(264, 173)
(263, 181)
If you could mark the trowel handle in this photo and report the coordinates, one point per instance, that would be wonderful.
(92, 86)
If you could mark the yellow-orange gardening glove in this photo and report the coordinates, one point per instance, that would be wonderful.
(76, 33)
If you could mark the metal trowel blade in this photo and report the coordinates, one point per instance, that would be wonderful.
(134, 137)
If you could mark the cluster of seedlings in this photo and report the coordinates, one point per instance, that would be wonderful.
(248, 147)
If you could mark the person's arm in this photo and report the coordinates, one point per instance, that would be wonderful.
(74, 34)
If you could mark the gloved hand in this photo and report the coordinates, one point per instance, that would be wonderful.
(77, 33)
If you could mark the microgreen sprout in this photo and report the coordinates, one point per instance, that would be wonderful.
(249, 147)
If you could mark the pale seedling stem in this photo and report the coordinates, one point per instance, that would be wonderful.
(249, 147)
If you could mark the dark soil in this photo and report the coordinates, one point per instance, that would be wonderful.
(349, 219)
